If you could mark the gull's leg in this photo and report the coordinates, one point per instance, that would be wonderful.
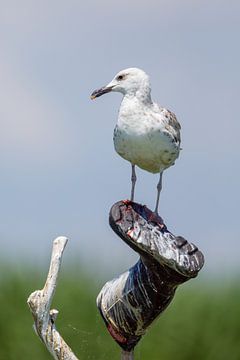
(133, 179)
(159, 188)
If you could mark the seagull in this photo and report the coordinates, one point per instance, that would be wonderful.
(146, 134)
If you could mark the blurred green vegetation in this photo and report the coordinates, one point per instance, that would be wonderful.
(203, 321)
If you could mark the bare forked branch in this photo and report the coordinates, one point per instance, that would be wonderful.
(39, 303)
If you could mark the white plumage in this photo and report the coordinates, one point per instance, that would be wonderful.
(146, 134)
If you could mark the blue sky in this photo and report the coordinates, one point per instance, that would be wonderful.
(59, 172)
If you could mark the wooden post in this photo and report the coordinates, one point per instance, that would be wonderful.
(126, 355)
(39, 303)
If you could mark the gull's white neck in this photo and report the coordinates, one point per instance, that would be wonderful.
(133, 107)
(141, 97)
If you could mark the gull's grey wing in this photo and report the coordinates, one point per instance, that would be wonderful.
(170, 122)
(173, 122)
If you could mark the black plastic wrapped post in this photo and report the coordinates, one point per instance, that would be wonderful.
(130, 302)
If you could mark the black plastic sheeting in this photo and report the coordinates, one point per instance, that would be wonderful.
(130, 302)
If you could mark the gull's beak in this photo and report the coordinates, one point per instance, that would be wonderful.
(100, 92)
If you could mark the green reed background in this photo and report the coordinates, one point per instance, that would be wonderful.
(203, 321)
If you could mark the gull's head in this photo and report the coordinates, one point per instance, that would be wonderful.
(132, 81)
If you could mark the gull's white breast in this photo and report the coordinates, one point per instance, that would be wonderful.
(146, 136)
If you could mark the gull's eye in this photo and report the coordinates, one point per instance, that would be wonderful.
(120, 77)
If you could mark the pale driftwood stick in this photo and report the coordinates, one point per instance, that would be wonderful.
(126, 355)
(39, 303)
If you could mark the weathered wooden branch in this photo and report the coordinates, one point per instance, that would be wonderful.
(39, 303)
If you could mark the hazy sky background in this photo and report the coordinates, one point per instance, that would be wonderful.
(59, 172)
